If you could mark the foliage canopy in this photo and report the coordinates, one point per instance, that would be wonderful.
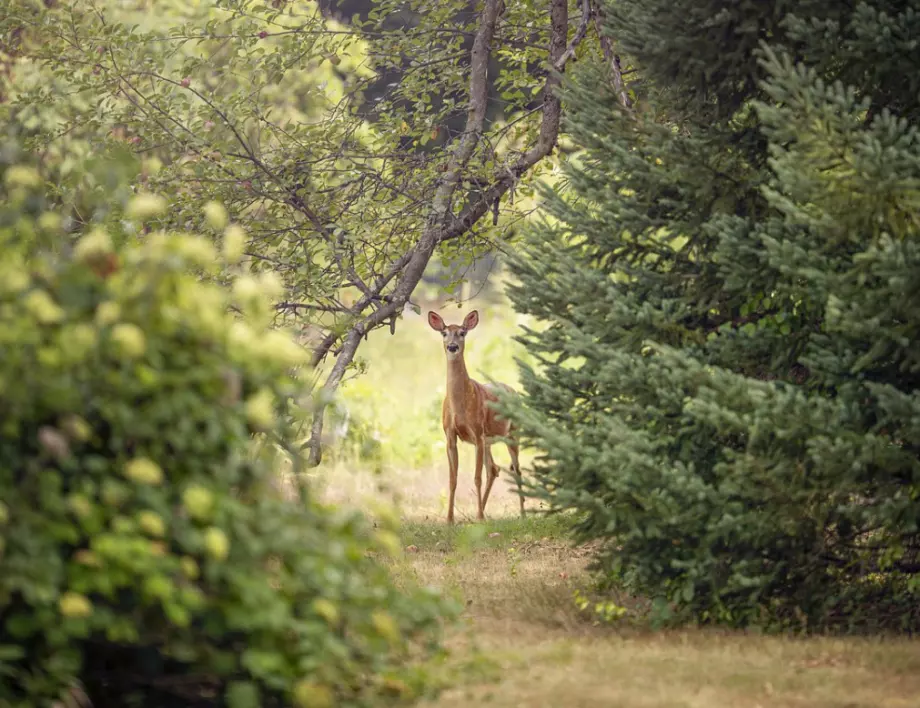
(352, 152)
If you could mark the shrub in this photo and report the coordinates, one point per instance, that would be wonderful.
(143, 551)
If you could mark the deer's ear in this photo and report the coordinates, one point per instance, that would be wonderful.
(436, 321)
(471, 320)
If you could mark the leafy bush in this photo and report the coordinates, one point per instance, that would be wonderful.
(728, 382)
(143, 550)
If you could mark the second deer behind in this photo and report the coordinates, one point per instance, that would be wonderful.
(467, 415)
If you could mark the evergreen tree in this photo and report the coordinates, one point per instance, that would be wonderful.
(727, 388)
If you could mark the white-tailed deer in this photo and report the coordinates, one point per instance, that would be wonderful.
(467, 415)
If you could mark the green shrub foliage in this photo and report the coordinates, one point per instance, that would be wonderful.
(144, 550)
(728, 382)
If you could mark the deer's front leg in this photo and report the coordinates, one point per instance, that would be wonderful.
(452, 463)
(480, 453)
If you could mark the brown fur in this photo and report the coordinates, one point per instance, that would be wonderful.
(467, 415)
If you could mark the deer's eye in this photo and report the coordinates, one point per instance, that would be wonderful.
(444, 334)
(463, 334)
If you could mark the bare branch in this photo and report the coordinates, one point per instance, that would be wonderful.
(549, 131)
(607, 47)
(586, 13)
(479, 95)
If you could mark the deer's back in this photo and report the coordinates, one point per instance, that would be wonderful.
(496, 426)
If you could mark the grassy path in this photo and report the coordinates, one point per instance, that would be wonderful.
(523, 642)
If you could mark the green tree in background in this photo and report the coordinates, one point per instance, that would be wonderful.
(262, 106)
(728, 379)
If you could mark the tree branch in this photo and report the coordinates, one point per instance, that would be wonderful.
(607, 48)
(549, 127)
(586, 13)
(421, 253)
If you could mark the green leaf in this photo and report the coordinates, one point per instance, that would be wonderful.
(11, 652)
(243, 694)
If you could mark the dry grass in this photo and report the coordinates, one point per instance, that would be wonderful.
(420, 494)
(523, 642)
(545, 667)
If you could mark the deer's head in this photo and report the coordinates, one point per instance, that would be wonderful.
(453, 335)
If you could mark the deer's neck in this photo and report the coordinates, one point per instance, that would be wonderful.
(458, 382)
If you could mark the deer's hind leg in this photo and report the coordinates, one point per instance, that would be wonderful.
(516, 471)
(481, 448)
(492, 470)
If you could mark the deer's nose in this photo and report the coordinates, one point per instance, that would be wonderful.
(453, 348)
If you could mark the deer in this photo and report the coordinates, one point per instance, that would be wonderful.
(467, 415)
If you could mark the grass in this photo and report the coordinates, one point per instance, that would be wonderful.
(491, 534)
(524, 642)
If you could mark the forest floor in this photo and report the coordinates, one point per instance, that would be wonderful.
(522, 640)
